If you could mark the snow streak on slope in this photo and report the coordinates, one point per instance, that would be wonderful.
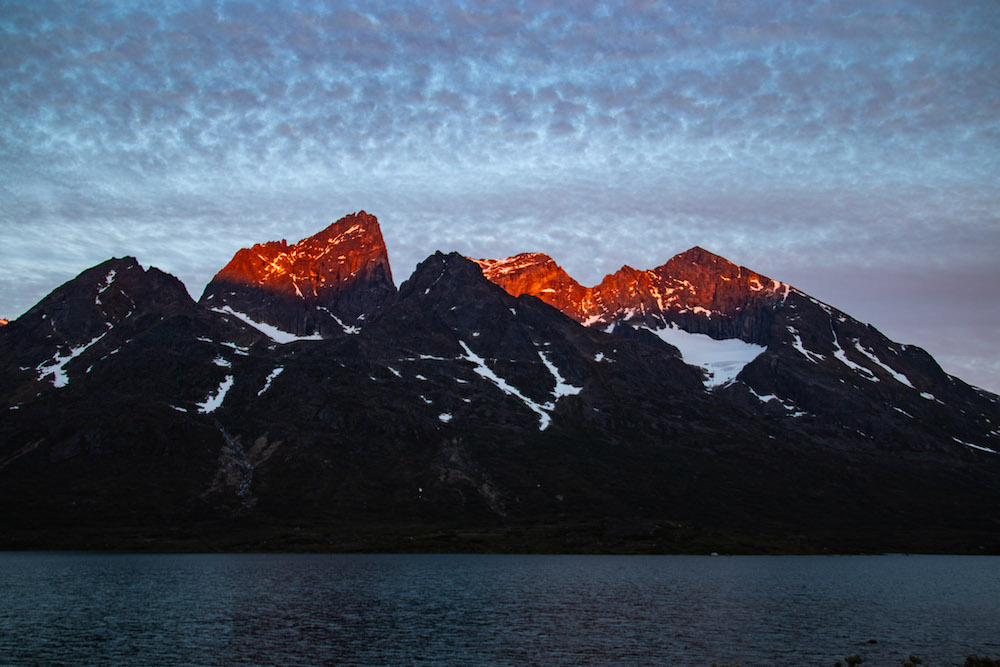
(723, 359)
(486, 372)
(562, 387)
(270, 378)
(979, 447)
(56, 367)
(269, 330)
(212, 403)
(901, 378)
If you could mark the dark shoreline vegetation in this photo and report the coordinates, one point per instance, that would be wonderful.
(911, 661)
(639, 537)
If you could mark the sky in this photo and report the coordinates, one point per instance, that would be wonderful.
(851, 149)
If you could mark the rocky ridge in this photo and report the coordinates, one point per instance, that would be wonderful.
(695, 290)
(326, 284)
(810, 360)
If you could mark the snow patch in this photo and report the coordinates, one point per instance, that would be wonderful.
(902, 379)
(979, 447)
(348, 328)
(786, 404)
(721, 359)
(108, 279)
(485, 372)
(56, 366)
(444, 417)
(797, 344)
(841, 356)
(562, 387)
(212, 403)
(270, 378)
(269, 330)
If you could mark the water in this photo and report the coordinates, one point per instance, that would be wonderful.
(479, 610)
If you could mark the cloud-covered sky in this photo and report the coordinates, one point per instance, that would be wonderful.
(850, 148)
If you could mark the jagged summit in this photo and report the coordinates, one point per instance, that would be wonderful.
(326, 283)
(696, 290)
(537, 274)
(698, 255)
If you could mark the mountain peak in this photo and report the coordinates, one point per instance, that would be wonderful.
(696, 289)
(324, 283)
(360, 224)
(537, 274)
(700, 256)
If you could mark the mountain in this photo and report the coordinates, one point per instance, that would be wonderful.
(461, 416)
(101, 379)
(695, 291)
(799, 358)
(325, 284)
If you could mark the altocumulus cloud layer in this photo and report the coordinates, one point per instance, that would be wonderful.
(851, 148)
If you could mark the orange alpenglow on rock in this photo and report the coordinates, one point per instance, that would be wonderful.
(696, 289)
(324, 284)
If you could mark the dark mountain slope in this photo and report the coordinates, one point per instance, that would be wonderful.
(462, 417)
(109, 382)
(816, 362)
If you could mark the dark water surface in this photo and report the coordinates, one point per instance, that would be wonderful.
(87, 608)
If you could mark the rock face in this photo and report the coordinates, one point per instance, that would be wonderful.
(696, 291)
(462, 416)
(325, 284)
(99, 383)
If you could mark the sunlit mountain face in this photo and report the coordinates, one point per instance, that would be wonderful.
(698, 290)
(305, 402)
(325, 284)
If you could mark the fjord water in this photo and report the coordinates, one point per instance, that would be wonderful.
(99, 608)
